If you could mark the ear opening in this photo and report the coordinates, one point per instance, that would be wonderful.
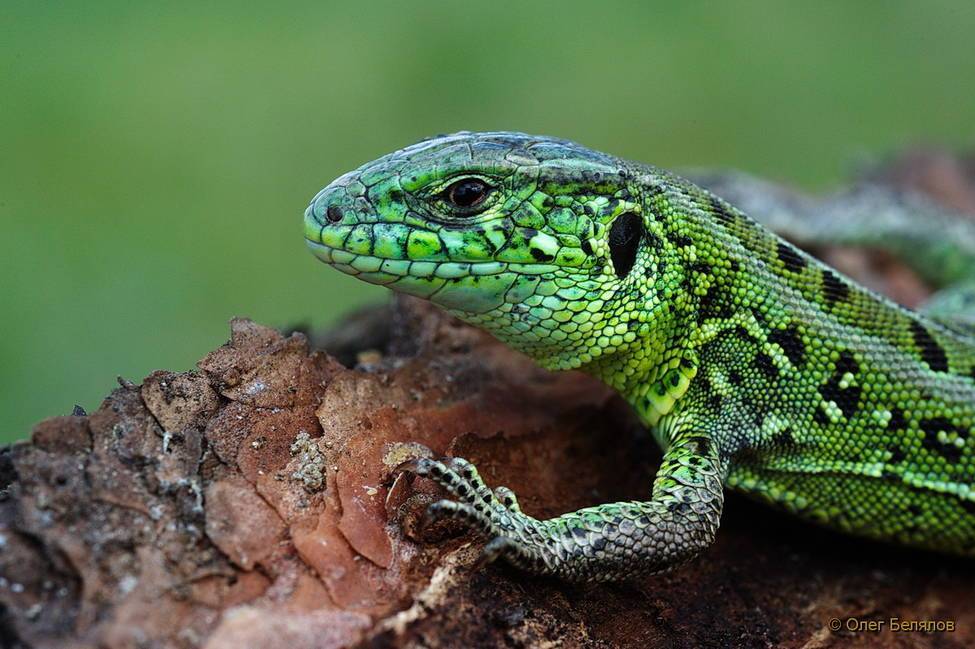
(624, 242)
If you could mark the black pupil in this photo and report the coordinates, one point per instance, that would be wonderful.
(467, 193)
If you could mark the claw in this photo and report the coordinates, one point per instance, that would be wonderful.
(418, 465)
(492, 550)
(449, 509)
(421, 466)
(437, 511)
(409, 466)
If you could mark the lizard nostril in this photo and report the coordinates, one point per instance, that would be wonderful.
(333, 214)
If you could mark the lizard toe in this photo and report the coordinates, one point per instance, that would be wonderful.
(463, 512)
(507, 498)
(457, 476)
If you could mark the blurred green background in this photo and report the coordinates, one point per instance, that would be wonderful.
(156, 159)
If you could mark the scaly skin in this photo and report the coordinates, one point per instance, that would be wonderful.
(756, 366)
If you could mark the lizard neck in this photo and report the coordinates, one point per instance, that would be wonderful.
(652, 377)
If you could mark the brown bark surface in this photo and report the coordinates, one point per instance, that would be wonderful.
(252, 503)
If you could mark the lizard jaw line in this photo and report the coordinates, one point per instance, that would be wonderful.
(370, 268)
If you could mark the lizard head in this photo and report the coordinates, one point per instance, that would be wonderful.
(540, 241)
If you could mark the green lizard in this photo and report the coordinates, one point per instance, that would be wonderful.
(755, 366)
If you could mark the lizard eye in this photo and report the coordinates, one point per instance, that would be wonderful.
(467, 193)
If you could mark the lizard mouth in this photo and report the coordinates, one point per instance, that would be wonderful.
(384, 271)
(468, 287)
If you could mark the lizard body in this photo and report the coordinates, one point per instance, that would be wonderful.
(756, 366)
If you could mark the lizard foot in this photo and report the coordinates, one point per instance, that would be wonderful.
(495, 513)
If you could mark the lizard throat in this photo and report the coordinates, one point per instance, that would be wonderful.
(657, 396)
(662, 395)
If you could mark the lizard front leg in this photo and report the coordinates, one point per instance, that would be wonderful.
(603, 543)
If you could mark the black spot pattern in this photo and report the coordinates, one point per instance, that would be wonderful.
(834, 289)
(931, 352)
(701, 445)
(897, 421)
(790, 340)
(740, 333)
(721, 211)
(897, 454)
(793, 261)
(715, 401)
(931, 428)
(699, 267)
(766, 366)
(846, 399)
(820, 417)
(761, 411)
(714, 305)
(783, 438)
(540, 255)
(624, 242)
